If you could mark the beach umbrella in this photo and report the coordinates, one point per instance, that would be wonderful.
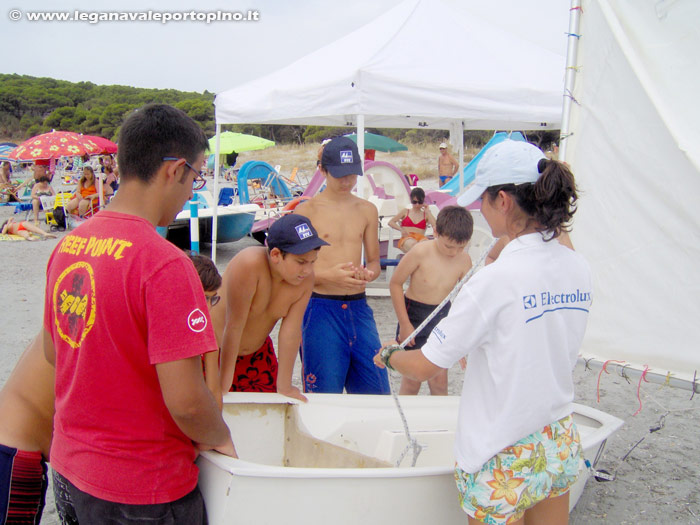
(379, 142)
(105, 146)
(52, 146)
(5, 149)
(238, 142)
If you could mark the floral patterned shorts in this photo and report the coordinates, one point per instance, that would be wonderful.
(542, 465)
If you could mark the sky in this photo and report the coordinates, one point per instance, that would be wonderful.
(188, 55)
(184, 55)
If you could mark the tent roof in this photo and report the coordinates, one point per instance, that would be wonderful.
(423, 63)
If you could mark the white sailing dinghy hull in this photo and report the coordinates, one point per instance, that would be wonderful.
(332, 460)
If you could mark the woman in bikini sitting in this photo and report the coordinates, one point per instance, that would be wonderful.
(412, 222)
(24, 229)
(86, 196)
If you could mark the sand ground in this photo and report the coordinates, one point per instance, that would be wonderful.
(656, 483)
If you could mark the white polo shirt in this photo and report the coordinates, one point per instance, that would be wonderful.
(521, 321)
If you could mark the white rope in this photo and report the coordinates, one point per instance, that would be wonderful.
(411, 442)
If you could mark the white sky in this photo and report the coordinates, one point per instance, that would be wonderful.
(189, 56)
(194, 56)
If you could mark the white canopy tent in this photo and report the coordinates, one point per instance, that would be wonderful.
(423, 64)
(635, 150)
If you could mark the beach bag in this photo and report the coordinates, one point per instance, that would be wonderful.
(59, 215)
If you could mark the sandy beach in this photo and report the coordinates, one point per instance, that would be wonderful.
(657, 482)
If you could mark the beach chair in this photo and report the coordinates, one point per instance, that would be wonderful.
(59, 201)
(48, 203)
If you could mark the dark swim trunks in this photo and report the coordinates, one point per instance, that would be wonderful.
(256, 372)
(417, 313)
(23, 483)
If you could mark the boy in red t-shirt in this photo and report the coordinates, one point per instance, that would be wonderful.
(126, 322)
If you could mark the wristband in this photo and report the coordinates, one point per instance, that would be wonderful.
(385, 354)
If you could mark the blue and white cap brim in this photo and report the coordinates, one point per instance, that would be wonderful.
(470, 195)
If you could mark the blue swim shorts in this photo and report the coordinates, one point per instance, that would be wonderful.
(542, 465)
(339, 341)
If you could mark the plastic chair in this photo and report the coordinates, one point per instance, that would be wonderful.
(48, 202)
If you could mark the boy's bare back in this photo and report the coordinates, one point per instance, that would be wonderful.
(27, 401)
(433, 275)
(346, 224)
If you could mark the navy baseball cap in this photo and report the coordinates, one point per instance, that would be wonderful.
(341, 158)
(294, 233)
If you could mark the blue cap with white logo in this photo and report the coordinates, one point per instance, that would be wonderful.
(294, 233)
(341, 158)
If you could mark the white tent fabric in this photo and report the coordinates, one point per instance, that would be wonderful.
(635, 151)
(422, 64)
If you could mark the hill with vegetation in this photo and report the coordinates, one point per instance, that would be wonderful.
(30, 106)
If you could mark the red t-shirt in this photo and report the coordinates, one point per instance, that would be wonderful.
(120, 299)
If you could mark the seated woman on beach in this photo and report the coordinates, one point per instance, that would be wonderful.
(412, 222)
(6, 186)
(111, 178)
(24, 229)
(42, 188)
(86, 196)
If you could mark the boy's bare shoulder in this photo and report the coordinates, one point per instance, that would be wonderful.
(423, 253)
(252, 259)
(306, 206)
(367, 206)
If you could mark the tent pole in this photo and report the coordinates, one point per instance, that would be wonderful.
(217, 169)
(461, 157)
(571, 59)
(634, 372)
(361, 138)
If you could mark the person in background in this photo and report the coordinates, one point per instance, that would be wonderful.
(447, 165)
(41, 188)
(111, 178)
(520, 320)
(86, 195)
(412, 222)
(24, 229)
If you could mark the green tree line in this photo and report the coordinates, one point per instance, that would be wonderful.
(30, 106)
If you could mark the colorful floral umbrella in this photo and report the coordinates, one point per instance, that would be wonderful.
(53, 145)
(105, 146)
(5, 149)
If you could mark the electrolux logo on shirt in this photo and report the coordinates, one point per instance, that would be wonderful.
(572, 300)
(439, 333)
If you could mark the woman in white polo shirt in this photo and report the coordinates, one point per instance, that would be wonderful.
(521, 321)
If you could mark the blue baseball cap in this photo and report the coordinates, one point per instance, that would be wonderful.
(294, 233)
(341, 158)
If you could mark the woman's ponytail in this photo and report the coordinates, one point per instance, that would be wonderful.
(554, 197)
